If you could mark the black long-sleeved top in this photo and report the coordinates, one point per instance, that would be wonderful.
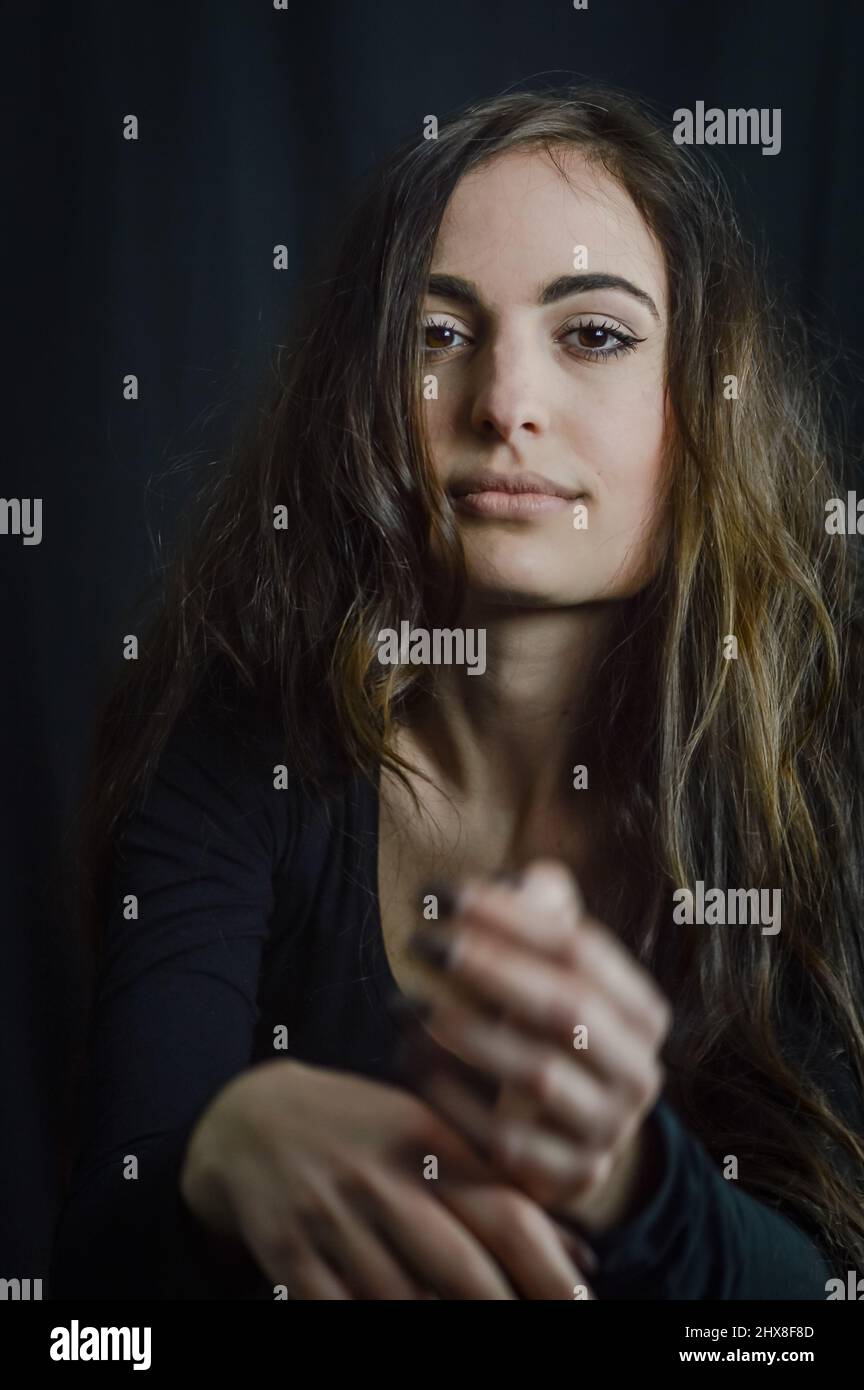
(257, 908)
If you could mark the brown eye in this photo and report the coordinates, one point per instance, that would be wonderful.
(439, 336)
(591, 337)
(596, 342)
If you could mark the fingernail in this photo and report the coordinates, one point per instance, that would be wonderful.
(446, 897)
(435, 950)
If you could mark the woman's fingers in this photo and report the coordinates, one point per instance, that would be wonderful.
(561, 1079)
(552, 1006)
(539, 992)
(326, 1247)
(544, 915)
(445, 1257)
(523, 1240)
(538, 1160)
(376, 1236)
(388, 1242)
(551, 1169)
(306, 1276)
(550, 893)
(351, 1245)
(288, 1258)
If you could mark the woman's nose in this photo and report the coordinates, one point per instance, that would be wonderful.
(510, 393)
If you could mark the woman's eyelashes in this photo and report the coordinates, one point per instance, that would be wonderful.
(596, 333)
(432, 328)
(595, 342)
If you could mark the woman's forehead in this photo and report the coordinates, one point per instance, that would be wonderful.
(515, 220)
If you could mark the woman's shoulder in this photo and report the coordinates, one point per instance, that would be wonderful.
(226, 770)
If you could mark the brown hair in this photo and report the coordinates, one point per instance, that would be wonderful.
(735, 772)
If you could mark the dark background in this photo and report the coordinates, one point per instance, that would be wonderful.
(155, 257)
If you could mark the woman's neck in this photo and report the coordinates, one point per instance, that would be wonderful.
(513, 735)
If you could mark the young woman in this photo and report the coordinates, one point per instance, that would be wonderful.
(542, 414)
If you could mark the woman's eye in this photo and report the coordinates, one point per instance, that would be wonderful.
(599, 340)
(594, 341)
(439, 338)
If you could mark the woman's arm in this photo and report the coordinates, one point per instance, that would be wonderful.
(173, 1021)
(699, 1235)
(585, 1129)
(316, 1174)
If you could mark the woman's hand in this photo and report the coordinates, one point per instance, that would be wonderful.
(550, 1004)
(321, 1175)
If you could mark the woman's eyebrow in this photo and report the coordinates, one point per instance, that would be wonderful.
(466, 292)
(578, 284)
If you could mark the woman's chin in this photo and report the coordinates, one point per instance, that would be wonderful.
(534, 591)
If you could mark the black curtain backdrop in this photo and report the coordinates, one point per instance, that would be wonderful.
(154, 257)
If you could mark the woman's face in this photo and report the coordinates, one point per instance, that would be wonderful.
(540, 377)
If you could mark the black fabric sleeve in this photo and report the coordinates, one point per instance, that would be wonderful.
(174, 1017)
(700, 1236)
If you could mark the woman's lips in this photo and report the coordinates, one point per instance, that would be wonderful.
(513, 504)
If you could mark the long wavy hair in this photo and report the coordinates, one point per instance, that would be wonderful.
(735, 772)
